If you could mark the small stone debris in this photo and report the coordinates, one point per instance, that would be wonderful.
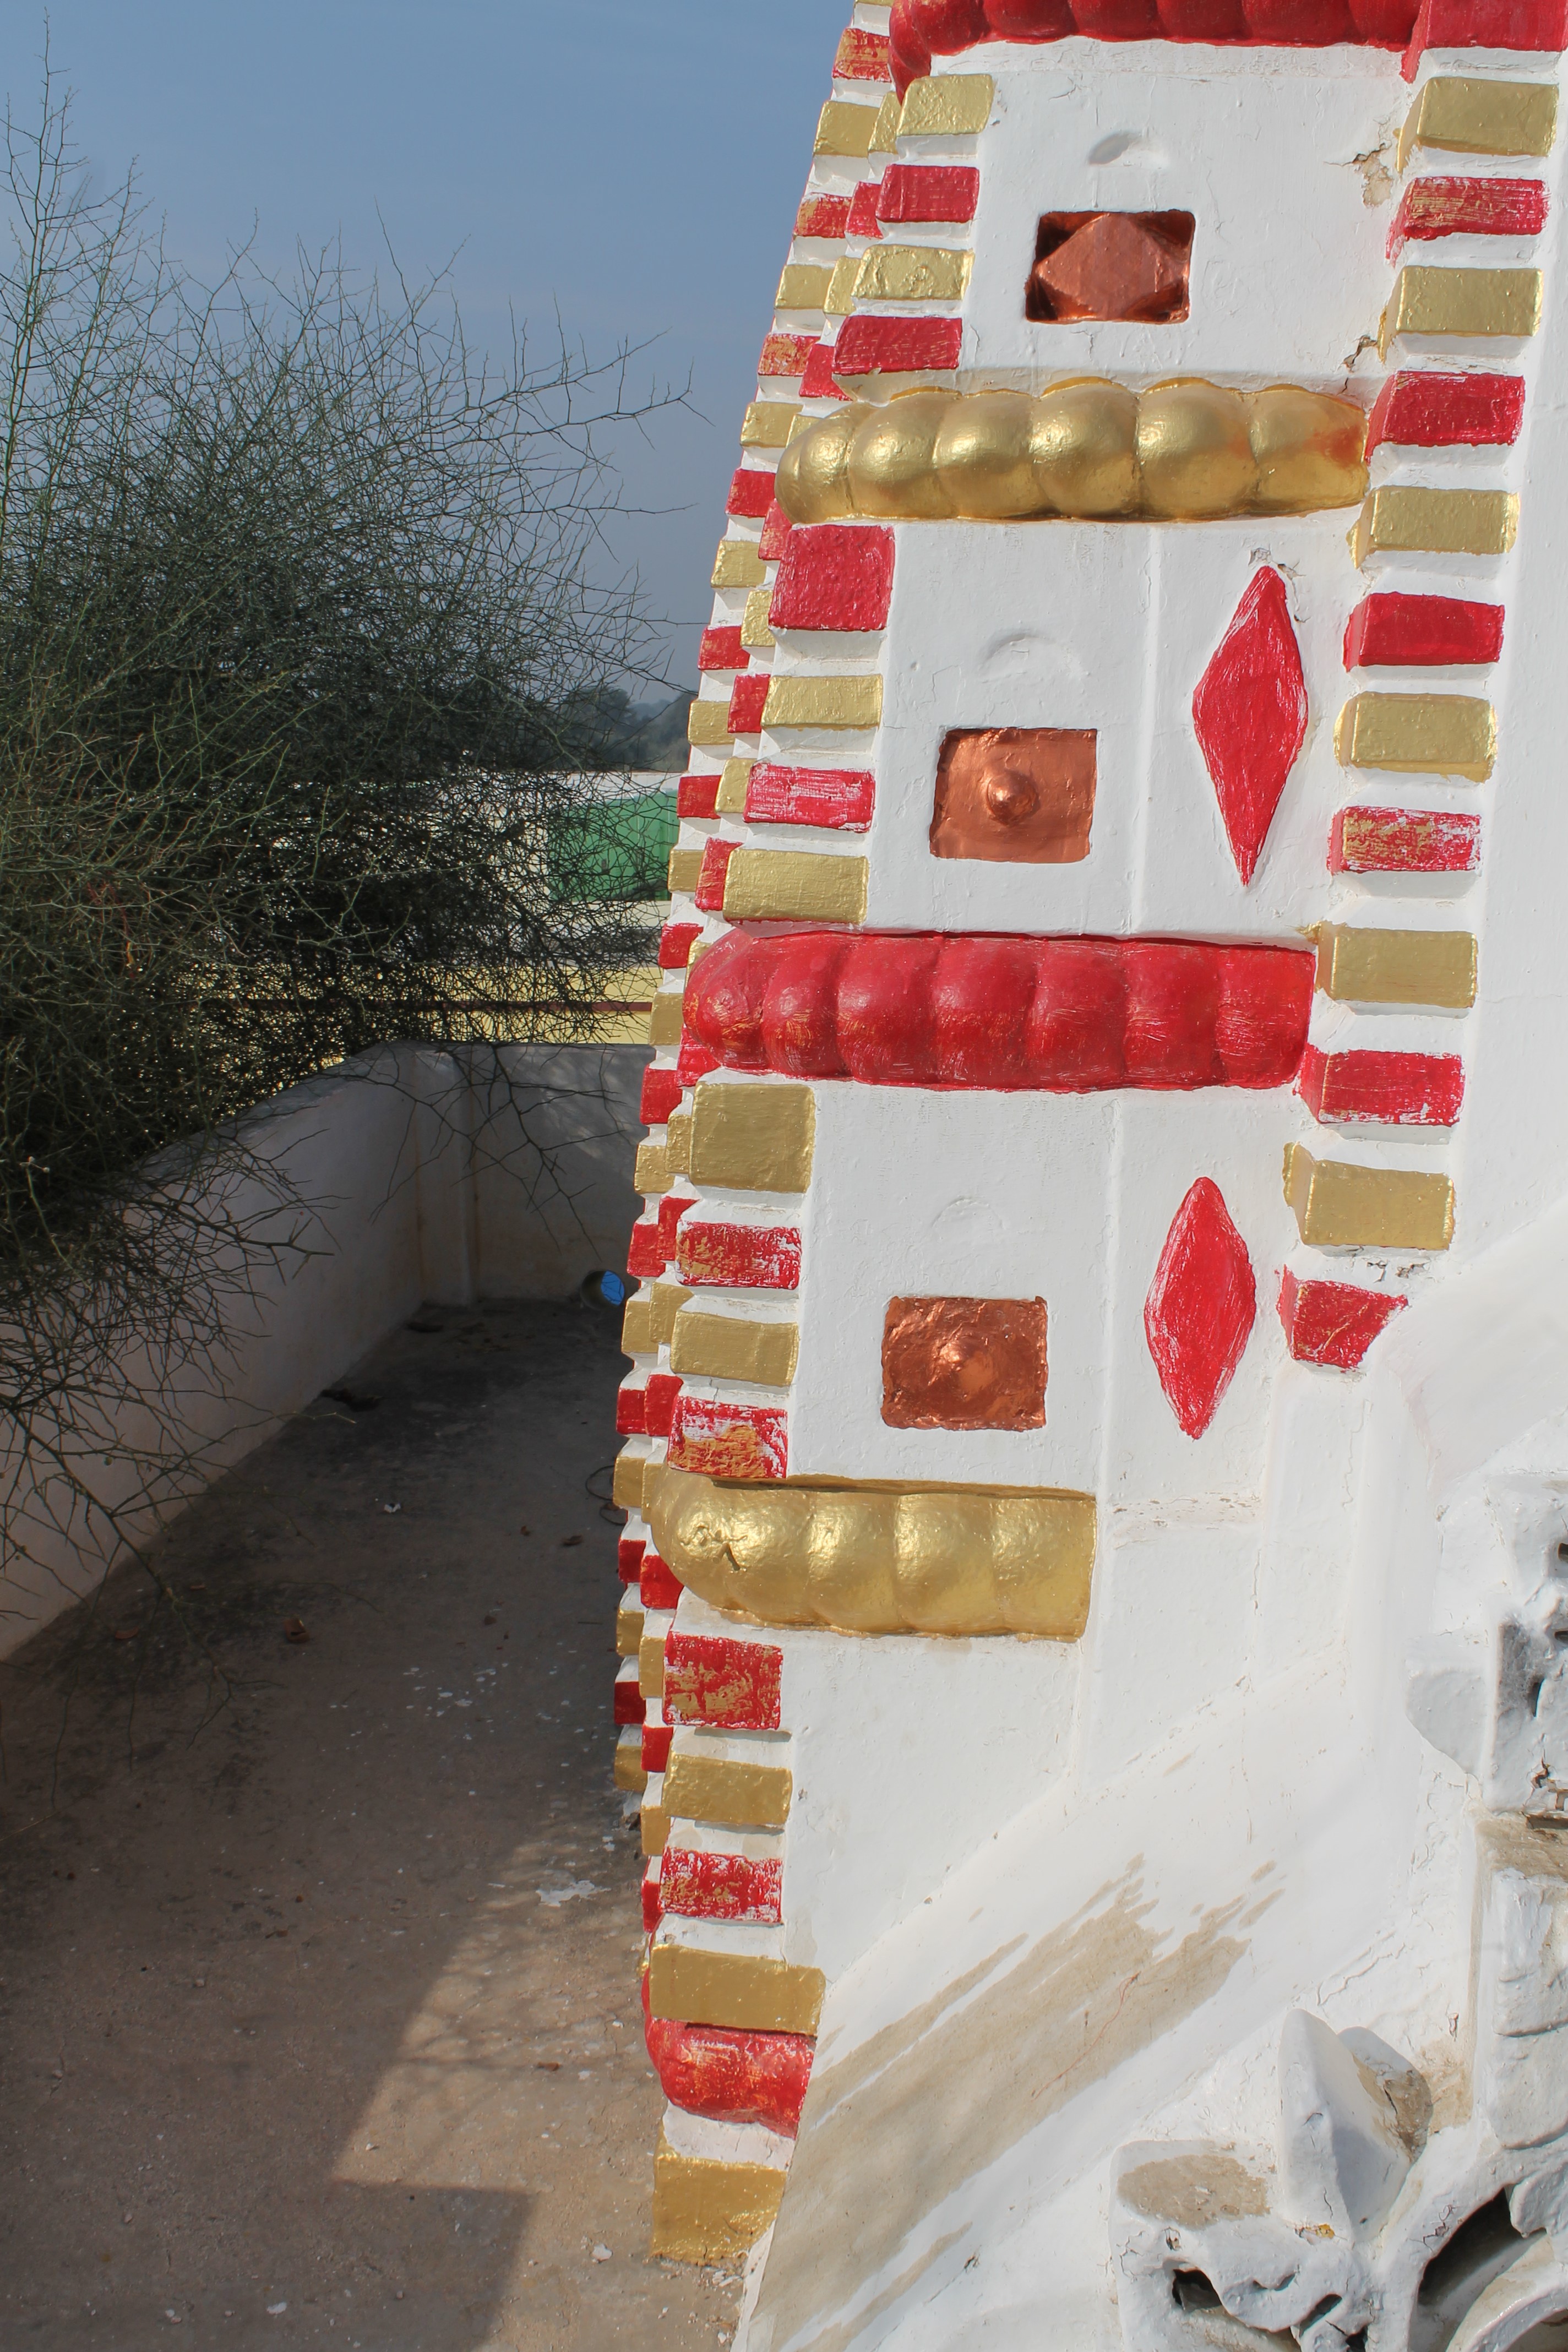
(295, 1629)
(603, 2254)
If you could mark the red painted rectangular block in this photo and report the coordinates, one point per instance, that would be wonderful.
(720, 1885)
(739, 1257)
(1394, 629)
(658, 1584)
(694, 1062)
(785, 354)
(1428, 410)
(822, 217)
(928, 192)
(818, 382)
(840, 797)
(1333, 1323)
(675, 945)
(652, 1909)
(869, 346)
(647, 1256)
(834, 575)
(631, 1409)
(862, 221)
(656, 1743)
(1452, 206)
(729, 1685)
(775, 532)
(862, 57)
(709, 891)
(1404, 841)
(749, 1442)
(1382, 1089)
(660, 1394)
(722, 649)
(630, 1705)
(751, 492)
(661, 1093)
(671, 1209)
(629, 1550)
(697, 796)
(747, 696)
(1485, 25)
(731, 2077)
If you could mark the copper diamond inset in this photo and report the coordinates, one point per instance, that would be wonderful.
(1251, 716)
(1111, 265)
(1201, 1306)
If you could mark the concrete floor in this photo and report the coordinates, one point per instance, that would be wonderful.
(318, 1960)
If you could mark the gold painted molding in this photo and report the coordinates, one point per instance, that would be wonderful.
(802, 286)
(636, 1326)
(653, 1824)
(685, 869)
(707, 723)
(852, 701)
(731, 798)
(666, 1300)
(677, 1143)
(650, 1172)
(734, 1348)
(947, 106)
(794, 885)
(1414, 521)
(843, 129)
(912, 273)
(738, 565)
(650, 1668)
(872, 1560)
(626, 1481)
(705, 2210)
(1340, 1206)
(1468, 116)
(629, 1774)
(1418, 734)
(756, 632)
(1461, 302)
(753, 1138)
(767, 423)
(734, 1989)
(667, 1018)
(731, 1795)
(628, 1631)
(1360, 965)
(1091, 448)
(841, 287)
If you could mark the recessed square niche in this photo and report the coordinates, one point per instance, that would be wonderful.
(1014, 795)
(1111, 265)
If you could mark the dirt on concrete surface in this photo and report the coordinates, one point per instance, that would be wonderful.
(319, 2012)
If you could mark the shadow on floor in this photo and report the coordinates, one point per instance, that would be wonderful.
(317, 1994)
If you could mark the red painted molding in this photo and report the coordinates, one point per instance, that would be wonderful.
(722, 649)
(1422, 411)
(842, 798)
(720, 1885)
(747, 696)
(675, 945)
(672, 1208)
(663, 1388)
(834, 575)
(1382, 1089)
(647, 1256)
(1201, 1306)
(661, 1093)
(776, 529)
(862, 220)
(1066, 1016)
(709, 890)
(751, 492)
(822, 217)
(862, 57)
(630, 1707)
(1461, 207)
(694, 1062)
(928, 192)
(652, 1908)
(739, 1257)
(818, 382)
(631, 1409)
(730, 1684)
(868, 346)
(1249, 715)
(658, 1582)
(728, 2077)
(697, 796)
(1391, 629)
(655, 1741)
(923, 28)
(629, 1550)
(785, 354)
(1404, 841)
(1485, 25)
(749, 1442)
(1333, 1323)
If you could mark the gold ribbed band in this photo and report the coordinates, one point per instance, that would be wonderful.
(1093, 449)
(880, 1559)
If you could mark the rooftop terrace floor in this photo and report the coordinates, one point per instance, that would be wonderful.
(318, 2018)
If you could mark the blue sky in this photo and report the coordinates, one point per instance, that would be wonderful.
(633, 164)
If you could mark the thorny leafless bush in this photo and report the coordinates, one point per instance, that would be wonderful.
(301, 662)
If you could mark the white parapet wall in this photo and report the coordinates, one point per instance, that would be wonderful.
(413, 1174)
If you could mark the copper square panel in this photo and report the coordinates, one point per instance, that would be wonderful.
(1111, 265)
(965, 1363)
(1014, 795)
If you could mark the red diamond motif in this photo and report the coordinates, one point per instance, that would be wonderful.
(1250, 714)
(1201, 1306)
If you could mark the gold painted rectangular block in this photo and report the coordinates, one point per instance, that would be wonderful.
(651, 1173)
(1358, 965)
(708, 724)
(1437, 522)
(666, 1300)
(628, 1632)
(636, 1326)
(650, 1668)
(766, 424)
(734, 1989)
(734, 1348)
(824, 702)
(684, 870)
(654, 1823)
(1337, 1206)
(677, 1142)
(629, 1773)
(626, 1485)
(1426, 734)
(1472, 117)
(947, 106)
(784, 885)
(732, 796)
(844, 129)
(668, 1015)
(738, 565)
(705, 2210)
(804, 286)
(885, 130)
(734, 1796)
(755, 630)
(1461, 302)
(911, 273)
(753, 1138)
(841, 287)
